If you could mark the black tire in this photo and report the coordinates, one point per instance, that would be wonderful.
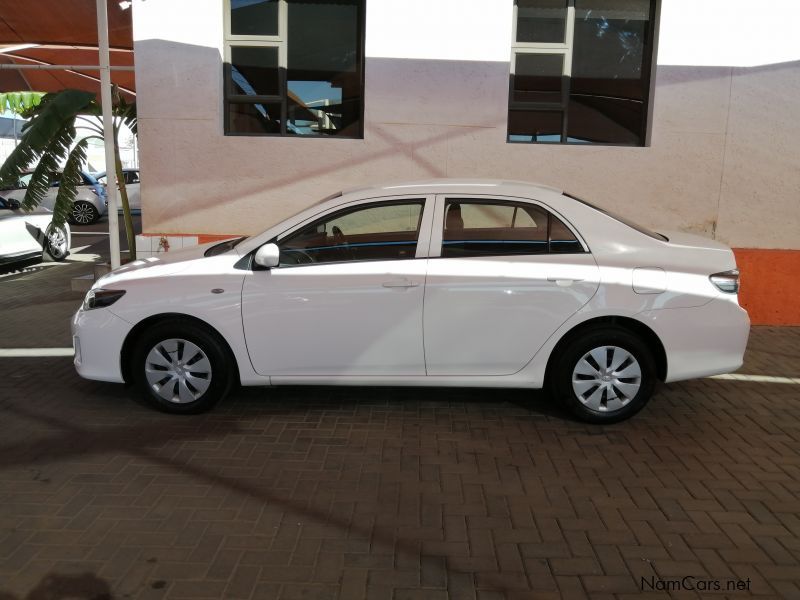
(561, 376)
(56, 251)
(221, 375)
(83, 213)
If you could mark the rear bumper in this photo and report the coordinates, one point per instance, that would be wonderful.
(701, 341)
(97, 338)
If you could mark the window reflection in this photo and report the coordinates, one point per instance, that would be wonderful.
(299, 75)
(254, 17)
(324, 68)
(603, 93)
(610, 83)
(541, 20)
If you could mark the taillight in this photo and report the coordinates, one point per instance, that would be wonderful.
(727, 281)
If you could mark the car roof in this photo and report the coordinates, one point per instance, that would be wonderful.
(465, 186)
(453, 186)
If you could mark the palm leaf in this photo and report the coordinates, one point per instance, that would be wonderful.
(71, 178)
(47, 169)
(47, 136)
(127, 113)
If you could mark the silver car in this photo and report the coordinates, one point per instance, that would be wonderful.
(89, 205)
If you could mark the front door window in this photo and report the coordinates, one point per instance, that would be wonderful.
(372, 232)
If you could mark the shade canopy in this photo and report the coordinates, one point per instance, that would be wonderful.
(62, 32)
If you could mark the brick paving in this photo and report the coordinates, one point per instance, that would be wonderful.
(397, 494)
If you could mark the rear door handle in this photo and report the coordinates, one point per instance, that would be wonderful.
(400, 283)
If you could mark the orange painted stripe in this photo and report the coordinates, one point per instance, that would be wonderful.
(204, 238)
(770, 285)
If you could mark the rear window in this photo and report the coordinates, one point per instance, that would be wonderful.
(641, 229)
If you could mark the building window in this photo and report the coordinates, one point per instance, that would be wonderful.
(581, 71)
(294, 67)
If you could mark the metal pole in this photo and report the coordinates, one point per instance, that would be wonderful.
(108, 128)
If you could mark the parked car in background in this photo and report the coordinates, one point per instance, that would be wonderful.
(131, 185)
(25, 236)
(89, 204)
(475, 283)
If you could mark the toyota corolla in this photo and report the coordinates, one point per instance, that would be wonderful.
(438, 283)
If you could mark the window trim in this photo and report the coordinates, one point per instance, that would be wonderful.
(423, 240)
(280, 41)
(648, 77)
(437, 232)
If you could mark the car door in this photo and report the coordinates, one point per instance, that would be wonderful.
(132, 185)
(347, 296)
(503, 276)
(18, 232)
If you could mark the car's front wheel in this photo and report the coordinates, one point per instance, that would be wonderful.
(182, 368)
(84, 213)
(56, 243)
(604, 376)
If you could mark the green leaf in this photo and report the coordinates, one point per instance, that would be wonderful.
(20, 102)
(47, 170)
(47, 136)
(71, 178)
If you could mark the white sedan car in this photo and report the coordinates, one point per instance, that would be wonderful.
(26, 236)
(438, 283)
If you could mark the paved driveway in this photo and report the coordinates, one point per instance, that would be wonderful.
(388, 493)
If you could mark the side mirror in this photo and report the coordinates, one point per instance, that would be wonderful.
(13, 204)
(268, 256)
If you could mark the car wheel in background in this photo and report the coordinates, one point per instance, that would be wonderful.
(84, 213)
(56, 242)
(604, 376)
(182, 368)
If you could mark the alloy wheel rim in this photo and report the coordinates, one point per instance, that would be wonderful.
(57, 242)
(606, 378)
(178, 371)
(82, 213)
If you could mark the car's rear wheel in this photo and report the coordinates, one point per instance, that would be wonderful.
(84, 213)
(56, 243)
(182, 368)
(605, 375)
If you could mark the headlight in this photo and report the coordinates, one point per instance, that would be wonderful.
(100, 298)
(727, 281)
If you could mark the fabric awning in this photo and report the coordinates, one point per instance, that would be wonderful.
(62, 32)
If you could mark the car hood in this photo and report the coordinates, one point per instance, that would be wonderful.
(160, 265)
(7, 215)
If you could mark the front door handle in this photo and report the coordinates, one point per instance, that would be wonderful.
(405, 282)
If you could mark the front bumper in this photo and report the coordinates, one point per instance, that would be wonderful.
(97, 338)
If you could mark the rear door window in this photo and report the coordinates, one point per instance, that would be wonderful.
(498, 228)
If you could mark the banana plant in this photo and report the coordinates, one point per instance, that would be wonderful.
(19, 102)
(49, 140)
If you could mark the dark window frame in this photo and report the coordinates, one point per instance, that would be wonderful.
(551, 214)
(648, 76)
(281, 41)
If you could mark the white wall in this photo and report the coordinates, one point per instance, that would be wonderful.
(726, 134)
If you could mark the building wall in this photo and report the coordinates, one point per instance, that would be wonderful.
(724, 159)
